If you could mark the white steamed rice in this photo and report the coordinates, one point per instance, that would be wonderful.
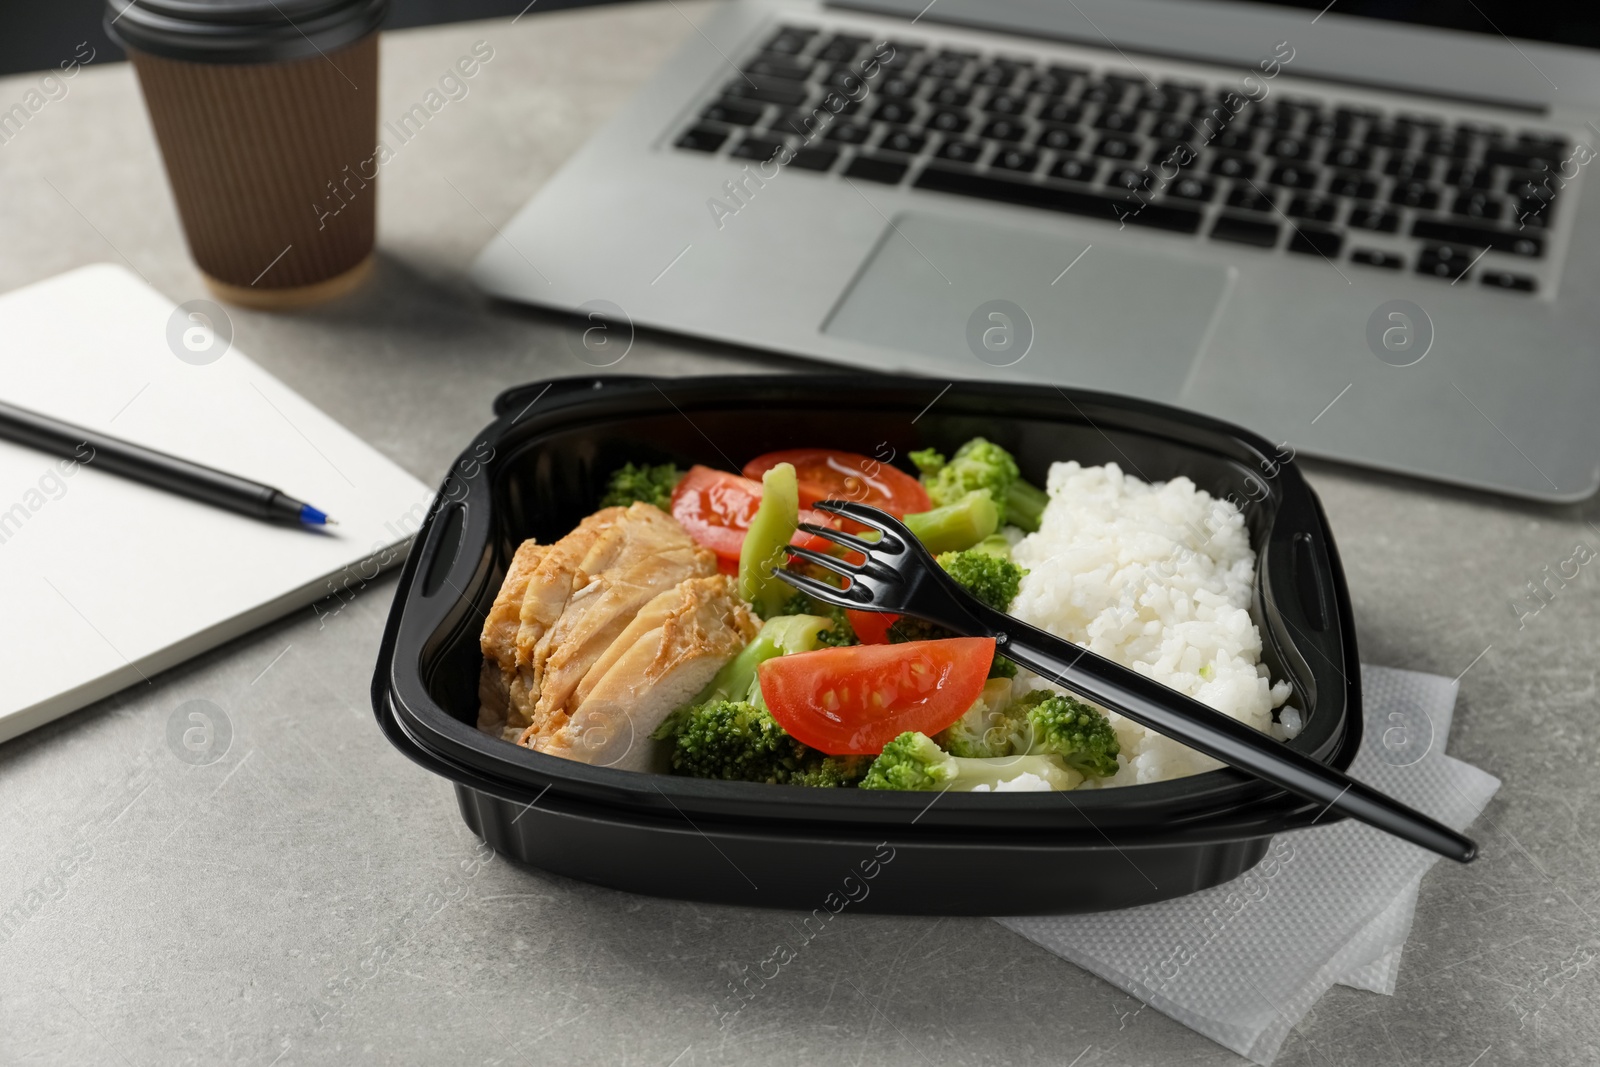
(1158, 578)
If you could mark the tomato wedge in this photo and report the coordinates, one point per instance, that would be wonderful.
(715, 507)
(855, 700)
(829, 474)
(871, 627)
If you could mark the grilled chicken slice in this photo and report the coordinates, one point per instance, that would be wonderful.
(582, 593)
(499, 639)
(668, 652)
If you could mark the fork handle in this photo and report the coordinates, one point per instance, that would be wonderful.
(1185, 719)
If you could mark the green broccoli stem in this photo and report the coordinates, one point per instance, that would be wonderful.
(914, 761)
(771, 529)
(1025, 505)
(781, 635)
(954, 527)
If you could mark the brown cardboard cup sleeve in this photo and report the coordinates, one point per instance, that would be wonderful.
(273, 168)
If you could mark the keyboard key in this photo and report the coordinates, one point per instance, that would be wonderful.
(950, 96)
(1523, 155)
(1312, 241)
(702, 139)
(1446, 261)
(876, 169)
(1295, 176)
(1234, 141)
(762, 148)
(848, 132)
(1073, 169)
(1288, 148)
(1191, 188)
(1177, 154)
(1114, 147)
(1353, 186)
(1504, 279)
(1006, 104)
(1056, 198)
(1067, 74)
(900, 87)
(1409, 168)
(1452, 147)
(819, 158)
(770, 90)
(1245, 231)
(1467, 175)
(961, 151)
(1016, 159)
(1478, 205)
(896, 111)
(1531, 186)
(790, 40)
(1316, 208)
(1534, 213)
(841, 49)
(1387, 137)
(1172, 129)
(1047, 85)
(1001, 72)
(1066, 114)
(949, 122)
(1368, 257)
(948, 64)
(1160, 100)
(1233, 167)
(1102, 93)
(1005, 130)
(1061, 138)
(734, 113)
(1517, 243)
(1134, 179)
(780, 66)
(1414, 194)
(1371, 217)
(1118, 121)
(1249, 199)
(903, 141)
(1348, 156)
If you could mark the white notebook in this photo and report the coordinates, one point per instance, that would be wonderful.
(104, 581)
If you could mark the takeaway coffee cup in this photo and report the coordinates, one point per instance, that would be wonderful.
(265, 111)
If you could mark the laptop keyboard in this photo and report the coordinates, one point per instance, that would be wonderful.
(1381, 190)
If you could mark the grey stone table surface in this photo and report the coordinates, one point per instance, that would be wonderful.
(313, 897)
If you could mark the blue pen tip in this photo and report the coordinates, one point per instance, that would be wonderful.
(312, 517)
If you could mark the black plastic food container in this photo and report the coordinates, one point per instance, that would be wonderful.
(541, 466)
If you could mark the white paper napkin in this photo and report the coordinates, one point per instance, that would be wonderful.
(1244, 961)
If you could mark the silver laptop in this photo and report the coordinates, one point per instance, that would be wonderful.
(1363, 237)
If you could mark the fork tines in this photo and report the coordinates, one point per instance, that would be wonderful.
(819, 590)
(860, 513)
(838, 537)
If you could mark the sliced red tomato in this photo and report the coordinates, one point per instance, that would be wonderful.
(871, 627)
(855, 700)
(829, 474)
(716, 507)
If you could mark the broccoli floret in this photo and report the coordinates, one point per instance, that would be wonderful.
(986, 729)
(734, 740)
(959, 524)
(652, 485)
(992, 579)
(982, 464)
(913, 761)
(840, 633)
(1063, 726)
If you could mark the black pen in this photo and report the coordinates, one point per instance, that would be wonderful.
(146, 465)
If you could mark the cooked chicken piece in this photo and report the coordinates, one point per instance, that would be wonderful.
(582, 593)
(499, 638)
(599, 612)
(548, 589)
(669, 652)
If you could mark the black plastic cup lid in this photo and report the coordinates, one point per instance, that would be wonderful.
(240, 31)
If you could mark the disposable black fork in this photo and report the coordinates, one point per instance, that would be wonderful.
(899, 575)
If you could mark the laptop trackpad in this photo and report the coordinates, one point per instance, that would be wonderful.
(985, 300)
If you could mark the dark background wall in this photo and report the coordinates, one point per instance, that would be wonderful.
(35, 34)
